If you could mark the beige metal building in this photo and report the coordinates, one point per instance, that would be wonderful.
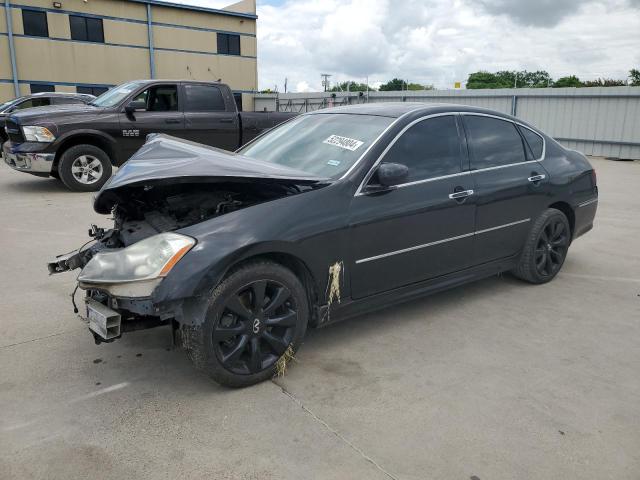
(90, 45)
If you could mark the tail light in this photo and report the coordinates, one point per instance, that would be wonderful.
(595, 177)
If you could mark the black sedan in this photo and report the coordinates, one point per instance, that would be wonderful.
(332, 214)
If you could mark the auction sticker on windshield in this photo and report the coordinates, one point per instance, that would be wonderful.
(344, 142)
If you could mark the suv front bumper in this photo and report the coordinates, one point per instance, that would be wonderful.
(35, 163)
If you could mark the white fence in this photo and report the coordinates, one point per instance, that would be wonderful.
(596, 121)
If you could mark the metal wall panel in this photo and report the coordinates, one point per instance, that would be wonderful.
(596, 121)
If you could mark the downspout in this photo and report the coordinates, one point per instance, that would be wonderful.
(12, 49)
(152, 56)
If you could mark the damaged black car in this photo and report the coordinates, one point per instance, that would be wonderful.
(331, 214)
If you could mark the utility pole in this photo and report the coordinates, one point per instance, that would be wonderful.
(515, 82)
(325, 80)
(285, 84)
(367, 80)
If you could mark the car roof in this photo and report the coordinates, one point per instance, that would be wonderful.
(56, 94)
(398, 109)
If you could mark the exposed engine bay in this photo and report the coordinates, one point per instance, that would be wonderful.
(140, 212)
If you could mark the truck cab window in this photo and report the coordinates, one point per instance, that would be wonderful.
(203, 98)
(161, 98)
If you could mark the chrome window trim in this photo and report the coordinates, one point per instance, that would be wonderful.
(359, 191)
(438, 242)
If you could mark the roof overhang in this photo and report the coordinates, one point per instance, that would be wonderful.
(196, 8)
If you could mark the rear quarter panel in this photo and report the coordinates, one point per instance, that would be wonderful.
(572, 182)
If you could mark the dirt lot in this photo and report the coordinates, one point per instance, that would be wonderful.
(495, 380)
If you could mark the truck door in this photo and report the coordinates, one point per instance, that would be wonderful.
(162, 114)
(208, 119)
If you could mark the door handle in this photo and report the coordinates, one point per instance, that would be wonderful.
(172, 120)
(536, 178)
(226, 120)
(461, 194)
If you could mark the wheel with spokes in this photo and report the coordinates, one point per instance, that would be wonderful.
(84, 168)
(256, 316)
(546, 248)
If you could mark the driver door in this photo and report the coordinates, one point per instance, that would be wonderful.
(415, 231)
(162, 115)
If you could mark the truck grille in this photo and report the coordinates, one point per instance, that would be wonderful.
(14, 131)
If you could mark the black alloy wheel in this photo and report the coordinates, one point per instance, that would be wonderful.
(257, 325)
(545, 249)
(551, 248)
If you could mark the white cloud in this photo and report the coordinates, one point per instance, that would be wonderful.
(442, 41)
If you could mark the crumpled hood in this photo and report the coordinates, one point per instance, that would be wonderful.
(165, 159)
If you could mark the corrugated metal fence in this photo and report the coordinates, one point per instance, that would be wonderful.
(596, 121)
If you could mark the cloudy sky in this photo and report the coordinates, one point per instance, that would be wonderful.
(440, 41)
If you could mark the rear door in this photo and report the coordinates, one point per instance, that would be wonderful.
(511, 187)
(424, 228)
(162, 115)
(207, 118)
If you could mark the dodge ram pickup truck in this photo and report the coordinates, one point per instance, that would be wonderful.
(78, 144)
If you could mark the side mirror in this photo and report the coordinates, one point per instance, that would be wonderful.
(390, 175)
(136, 106)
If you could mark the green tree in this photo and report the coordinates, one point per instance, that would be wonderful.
(352, 87)
(604, 82)
(509, 79)
(393, 85)
(485, 79)
(634, 77)
(570, 81)
(419, 86)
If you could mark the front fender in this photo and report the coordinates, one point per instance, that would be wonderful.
(317, 240)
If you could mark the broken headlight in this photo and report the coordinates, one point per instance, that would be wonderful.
(147, 259)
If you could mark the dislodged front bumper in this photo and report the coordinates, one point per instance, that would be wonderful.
(35, 163)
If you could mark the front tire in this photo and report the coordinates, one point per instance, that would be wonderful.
(545, 248)
(84, 168)
(256, 319)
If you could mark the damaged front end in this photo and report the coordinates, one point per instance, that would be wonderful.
(167, 186)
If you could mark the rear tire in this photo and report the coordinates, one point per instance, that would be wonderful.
(545, 249)
(256, 319)
(84, 168)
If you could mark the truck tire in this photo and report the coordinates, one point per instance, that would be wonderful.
(256, 318)
(545, 249)
(84, 168)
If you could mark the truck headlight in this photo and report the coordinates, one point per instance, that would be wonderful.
(37, 134)
(147, 259)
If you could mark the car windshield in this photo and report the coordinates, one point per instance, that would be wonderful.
(325, 144)
(114, 96)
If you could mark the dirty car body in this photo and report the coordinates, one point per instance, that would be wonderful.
(332, 214)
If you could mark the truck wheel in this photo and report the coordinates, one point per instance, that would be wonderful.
(84, 168)
(256, 319)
